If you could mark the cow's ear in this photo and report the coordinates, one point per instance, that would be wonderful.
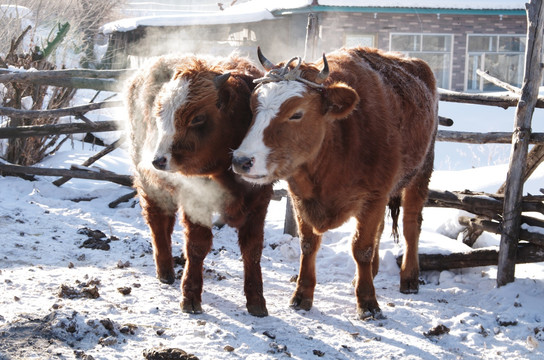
(223, 98)
(340, 100)
(223, 95)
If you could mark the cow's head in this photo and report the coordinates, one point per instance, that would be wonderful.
(292, 108)
(202, 113)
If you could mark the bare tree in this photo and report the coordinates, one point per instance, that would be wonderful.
(83, 16)
(32, 31)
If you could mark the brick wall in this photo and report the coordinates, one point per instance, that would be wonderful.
(335, 26)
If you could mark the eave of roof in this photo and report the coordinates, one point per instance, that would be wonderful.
(396, 10)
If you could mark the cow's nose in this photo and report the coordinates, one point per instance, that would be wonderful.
(159, 162)
(242, 164)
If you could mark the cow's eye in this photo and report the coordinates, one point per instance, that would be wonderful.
(198, 120)
(296, 116)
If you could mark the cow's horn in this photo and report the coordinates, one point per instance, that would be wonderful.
(220, 80)
(267, 64)
(324, 73)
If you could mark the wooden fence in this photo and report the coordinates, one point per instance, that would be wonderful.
(500, 213)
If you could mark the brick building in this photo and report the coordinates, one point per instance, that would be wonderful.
(455, 38)
(454, 44)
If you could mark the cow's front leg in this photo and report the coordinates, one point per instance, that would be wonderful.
(364, 248)
(310, 242)
(161, 222)
(250, 238)
(198, 243)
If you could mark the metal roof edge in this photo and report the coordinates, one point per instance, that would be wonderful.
(396, 10)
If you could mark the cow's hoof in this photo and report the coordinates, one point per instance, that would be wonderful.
(409, 286)
(166, 277)
(257, 310)
(191, 307)
(369, 309)
(370, 314)
(300, 303)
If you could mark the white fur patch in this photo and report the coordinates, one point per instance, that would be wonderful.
(172, 96)
(270, 97)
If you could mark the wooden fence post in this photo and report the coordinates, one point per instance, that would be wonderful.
(520, 144)
(290, 224)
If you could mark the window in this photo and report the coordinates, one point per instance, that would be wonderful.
(500, 55)
(435, 49)
(359, 40)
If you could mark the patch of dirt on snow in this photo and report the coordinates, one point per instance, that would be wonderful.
(58, 335)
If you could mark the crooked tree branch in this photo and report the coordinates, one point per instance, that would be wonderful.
(92, 159)
(484, 138)
(488, 205)
(526, 253)
(75, 110)
(496, 228)
(498, 82)
(7, 75)
(444, 121)
(9, 169)
(55, 129)
(504, 101)
(107, 80)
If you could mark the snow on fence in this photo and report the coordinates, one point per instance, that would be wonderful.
(500, 213)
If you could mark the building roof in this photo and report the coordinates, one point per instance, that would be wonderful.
(259, 10)
(431, 4)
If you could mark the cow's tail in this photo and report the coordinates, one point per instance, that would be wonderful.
(394, 211)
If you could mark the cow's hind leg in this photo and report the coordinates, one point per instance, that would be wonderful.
(376, 258)
(161, 222)
(364, 248)
(310, 242)
(250, 238)
(414, 198)
(198, 243)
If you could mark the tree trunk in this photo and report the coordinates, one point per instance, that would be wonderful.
(520, 143)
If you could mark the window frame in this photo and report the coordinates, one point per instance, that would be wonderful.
(482, 54)
(413, 53)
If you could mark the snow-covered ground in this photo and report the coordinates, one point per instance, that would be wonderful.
(62, 300)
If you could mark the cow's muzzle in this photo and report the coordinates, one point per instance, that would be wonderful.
(242, 164)
(160, 162)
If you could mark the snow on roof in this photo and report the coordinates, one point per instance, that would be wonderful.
(232, 15)
(258, 10)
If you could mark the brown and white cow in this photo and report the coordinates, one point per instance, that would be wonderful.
(185, 117)
(350, 134)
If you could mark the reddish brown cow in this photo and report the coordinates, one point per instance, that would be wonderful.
(185, 117)
(348, 139)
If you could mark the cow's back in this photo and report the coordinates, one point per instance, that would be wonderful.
(413, 83)
(397, 113)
